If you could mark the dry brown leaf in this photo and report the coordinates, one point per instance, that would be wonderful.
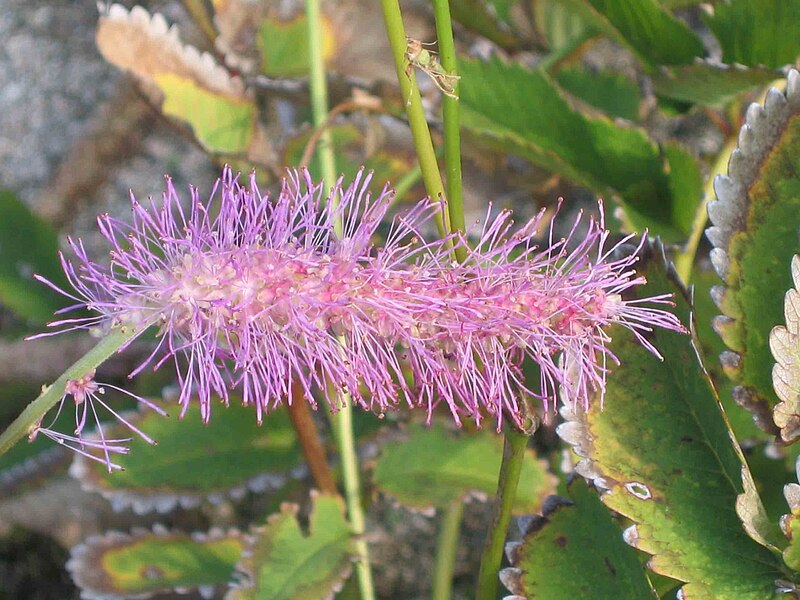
(146, 46)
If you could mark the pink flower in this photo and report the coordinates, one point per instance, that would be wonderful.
(250, 294)
(86, 393)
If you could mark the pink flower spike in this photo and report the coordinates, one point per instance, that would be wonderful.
(86, 394)
(251, 294)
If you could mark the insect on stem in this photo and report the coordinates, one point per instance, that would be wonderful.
(428, 62)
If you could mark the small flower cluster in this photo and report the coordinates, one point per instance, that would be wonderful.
(252, 294)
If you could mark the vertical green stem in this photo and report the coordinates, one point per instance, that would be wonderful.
(345, 437)
(447, 544)
(352, 490)
(51, 394)
(318, 85)
(423, 144)
(510, 469)
(450, 116)
(446, 547)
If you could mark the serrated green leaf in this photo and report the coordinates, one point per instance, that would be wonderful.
(757, 32)
(284, 45)
(653, 34)
(710, 84)
(148, 562)
(663, 448)
(434, 468)
(524, 113)
(614, 94)
(28, 246)
(711, 346)
(575, 550)
(286, 564)
(756, 220)
(222, 124)
(784, 342)
(195, 460)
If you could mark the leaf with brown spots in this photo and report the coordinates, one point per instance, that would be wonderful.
(574, 550)
(663, 450)
(145, 562)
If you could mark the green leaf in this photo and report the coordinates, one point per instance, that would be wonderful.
(756, 219)
(434, 468)
(562, 27)
(792, 554)
(653, 34)
(674, 4)
(575, 550)
(710, 84)
(497, 107)
(784, 342)
(28, 463)
(771, 472)
(490, 18)
(194, 461)
(757, 32)
(222, 124)
(664, 450)
(284, 45)
(612, 93)
(142, 563)
(28, 246)
(285, 564)
(703, 279)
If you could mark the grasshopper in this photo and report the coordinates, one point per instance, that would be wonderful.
(428, 61)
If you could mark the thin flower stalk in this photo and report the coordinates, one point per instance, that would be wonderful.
(252, 294)
(86, 394)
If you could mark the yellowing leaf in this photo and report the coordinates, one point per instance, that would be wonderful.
(220, 123)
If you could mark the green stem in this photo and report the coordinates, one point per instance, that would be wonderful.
(451, 120)
(344, 429)
(318, 89)
(423, 144)
(446, 548)
(352, 492)
(51, 394)
(510, 469)
(684, 260)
